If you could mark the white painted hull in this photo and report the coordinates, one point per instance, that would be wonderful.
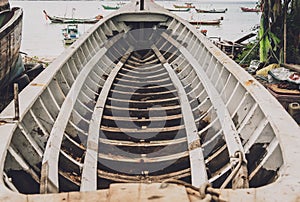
(144, 98)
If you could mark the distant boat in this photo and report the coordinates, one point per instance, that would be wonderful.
(179, 9)
(187, 5)
(11, 65)
(245, 9)
(55, 19)
(110, 7)
(206, 22)
(119, 5)
(211, 11)
(70, 33)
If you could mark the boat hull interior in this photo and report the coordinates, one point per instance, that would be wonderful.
(145, 98)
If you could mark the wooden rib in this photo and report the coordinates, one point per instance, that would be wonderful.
(198, 168)
(147, 130)
(136, 119)
(143, 144)
(89, 176)
(143, 159)
(126, 178)
(49, 174)
(165, 108)
(230, 133)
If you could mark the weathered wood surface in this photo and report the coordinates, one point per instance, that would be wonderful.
(4, 5)
(176, 108)
(10, 42)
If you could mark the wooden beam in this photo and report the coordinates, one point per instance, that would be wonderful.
(89, 172)
(198, 168)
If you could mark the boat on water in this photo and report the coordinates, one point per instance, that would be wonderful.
(186, 5)
(245, 9)
(211, 10)
(179, 9)
(116, 7)
(205, 22)
(144, 107)
(11, 65)
(70, 34)
(69, 20)
(106, 7)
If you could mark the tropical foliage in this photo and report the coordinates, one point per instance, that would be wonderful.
(271, 32)
(293, 42)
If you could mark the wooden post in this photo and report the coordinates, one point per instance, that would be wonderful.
(284, 31)
(142, 5)
(16, 101)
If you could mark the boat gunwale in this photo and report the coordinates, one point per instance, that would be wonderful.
(288, 174)
(10, 24)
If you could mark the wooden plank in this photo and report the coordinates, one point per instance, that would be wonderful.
(62, 197)
(293, 67)
(147, 192)
(198, 168)
(231, 135)
(51, 155)
(146, 130)
(89, 173)
(99, 196)
(145, 158)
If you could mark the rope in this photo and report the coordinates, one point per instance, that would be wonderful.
(206, 192)
(164, 184)
(235, 170)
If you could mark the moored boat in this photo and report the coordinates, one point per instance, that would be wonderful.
(106, 7)
(116, 7)
(205, 22)
(245, 9)
(186, 5)
(211, 11)
(142, 101)
(70, 34)
(55, 19)
(11, 65)
(179, 9)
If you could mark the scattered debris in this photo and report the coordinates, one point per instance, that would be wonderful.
(282, 82)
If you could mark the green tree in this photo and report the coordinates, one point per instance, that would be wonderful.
(293, 32)
(271, 33)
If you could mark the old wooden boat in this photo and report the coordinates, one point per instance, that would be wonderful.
(179, 9)
(11, 64)
(140, 103)
(245, 9)
(116, 7)
(233, 48)
(4, 5)
(205, 22)
(70, 34)
(69, 20)
(186, 5)
(106, 7)
(211, 10)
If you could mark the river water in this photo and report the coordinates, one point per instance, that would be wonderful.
(43, 39)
